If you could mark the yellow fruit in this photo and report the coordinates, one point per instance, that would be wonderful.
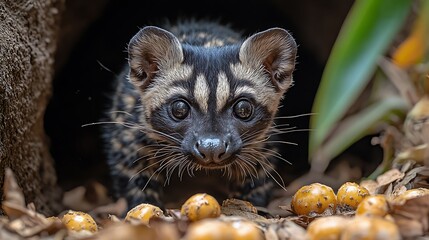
(210, 229)
(349, 195)
(246, 231)
(373, 206)
(200, 206)
(78, 221)
(361, 227)
(315, 198)
(326, 228)
(144, 212)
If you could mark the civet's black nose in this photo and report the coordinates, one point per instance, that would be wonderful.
(212, 149)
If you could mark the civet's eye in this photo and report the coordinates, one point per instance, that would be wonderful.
(243, 109)
(180, 109)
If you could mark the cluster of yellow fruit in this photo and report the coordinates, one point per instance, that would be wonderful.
(317, 198)
(352, 213)
(371, 219)
(201, 210)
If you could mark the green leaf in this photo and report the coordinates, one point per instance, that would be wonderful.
(357, 126)
(366, 34)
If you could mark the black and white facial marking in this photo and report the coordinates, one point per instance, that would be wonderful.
(210, 107)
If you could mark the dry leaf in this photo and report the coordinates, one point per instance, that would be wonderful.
(412, 217)
(237, 207)
(417, 153)
(247, 215)
(28, 226)
(389, 177)
(285, 229)
(14, 201)
(117, 208)
(86, 198)
(242, 205)
(24, 221)
(411, 176)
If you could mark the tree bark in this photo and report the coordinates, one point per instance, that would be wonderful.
(28, 39)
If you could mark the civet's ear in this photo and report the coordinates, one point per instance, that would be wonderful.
(150, 50)
(274, 50)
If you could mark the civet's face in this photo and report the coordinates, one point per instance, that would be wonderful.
(211, 103)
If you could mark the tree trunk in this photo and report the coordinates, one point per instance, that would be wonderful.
(28, 39)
